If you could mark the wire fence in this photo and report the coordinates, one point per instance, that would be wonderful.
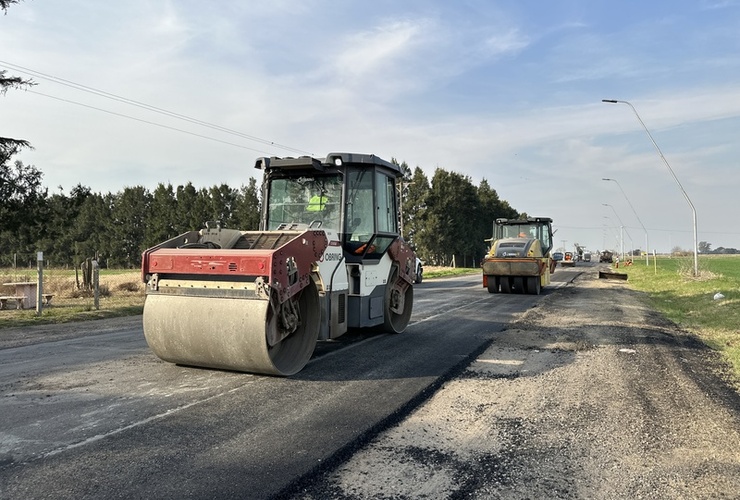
(70, 288)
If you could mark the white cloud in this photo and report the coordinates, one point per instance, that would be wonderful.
(507, 42)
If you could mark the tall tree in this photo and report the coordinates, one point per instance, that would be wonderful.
(19, 185)
(4, 4)
(130, 211)
(161, 224)
(192, 208)
(9, 146)
(222, 202)
(401, 192)
(91, 229)
(247, 208)
(453, 207)
(416, 192)
(21, 199)
(492, 208)
(54, 236)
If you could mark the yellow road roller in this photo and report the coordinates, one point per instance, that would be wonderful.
(519, 259)
(328, 257)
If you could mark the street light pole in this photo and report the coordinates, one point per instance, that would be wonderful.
(688, 200)
(618, 237)
(647, 244)
(621, 225)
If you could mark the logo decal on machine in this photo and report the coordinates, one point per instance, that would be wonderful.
(332, 256)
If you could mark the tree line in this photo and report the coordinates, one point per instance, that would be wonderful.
(446, 218)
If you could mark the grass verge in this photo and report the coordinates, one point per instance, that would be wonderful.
(445, 272)
(707, 305)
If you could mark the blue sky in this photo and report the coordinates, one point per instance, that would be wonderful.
(509, 91)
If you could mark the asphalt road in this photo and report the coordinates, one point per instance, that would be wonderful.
(88, 412)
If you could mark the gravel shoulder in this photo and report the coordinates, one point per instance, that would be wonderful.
(38, 334)
(588, 395)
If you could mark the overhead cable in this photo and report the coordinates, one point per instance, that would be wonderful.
(149, 107)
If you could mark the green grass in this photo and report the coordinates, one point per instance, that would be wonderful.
(65, 314)
(689, 301)
(444, 272)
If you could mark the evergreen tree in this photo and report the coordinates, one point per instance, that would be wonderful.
(160, 225)
(4, 4)
(247, 208)
(21, 199)
(54, 235)
(453, 208)
(492, 208)
(187, 218)
(130, 211)
(416, 192)
(223, 200)
(91, 230)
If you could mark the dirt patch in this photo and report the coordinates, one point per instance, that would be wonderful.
(29, 335)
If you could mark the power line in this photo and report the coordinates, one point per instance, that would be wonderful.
(147, 122)
(148, 107)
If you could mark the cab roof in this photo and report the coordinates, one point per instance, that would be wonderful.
(331, 161)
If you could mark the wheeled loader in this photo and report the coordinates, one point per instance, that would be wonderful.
(519, 259)
(328, 257)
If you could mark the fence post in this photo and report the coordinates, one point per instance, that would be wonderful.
(96, 282)
(40, 283)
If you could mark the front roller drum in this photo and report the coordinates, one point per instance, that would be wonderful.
(232, 333)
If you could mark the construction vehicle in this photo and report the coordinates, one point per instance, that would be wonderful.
(569, 260)
(519, 259)
(328, 257)
(606, 256)
(578, 253)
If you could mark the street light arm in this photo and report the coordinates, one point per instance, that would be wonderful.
(662, 157)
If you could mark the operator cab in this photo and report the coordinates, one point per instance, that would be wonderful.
(352, 194)
(539, 228)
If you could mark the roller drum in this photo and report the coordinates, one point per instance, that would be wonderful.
(229, 333)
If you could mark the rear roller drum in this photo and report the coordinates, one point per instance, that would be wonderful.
(292, 331)
(399, 301)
